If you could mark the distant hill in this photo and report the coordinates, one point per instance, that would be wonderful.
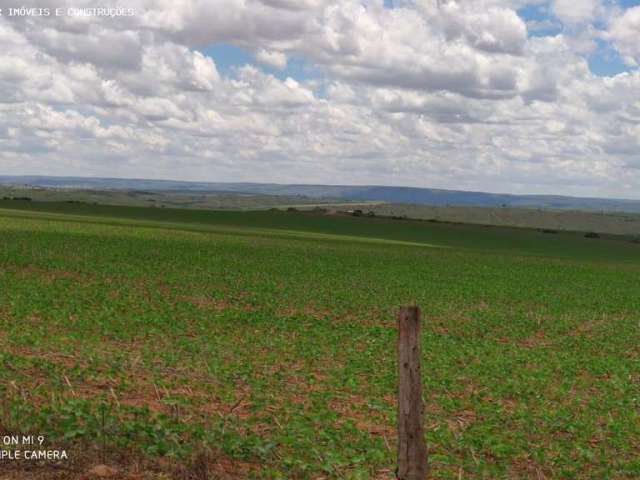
(406, 195)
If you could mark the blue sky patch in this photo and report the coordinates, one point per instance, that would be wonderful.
(629, 3)
(229, 57)
(606, 61)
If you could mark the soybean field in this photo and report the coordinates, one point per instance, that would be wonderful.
(166, 343)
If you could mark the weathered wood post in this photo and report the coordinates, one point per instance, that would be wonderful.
(412, 449)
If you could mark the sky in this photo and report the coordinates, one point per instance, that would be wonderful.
(512, 96)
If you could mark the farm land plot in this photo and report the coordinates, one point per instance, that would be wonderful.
(262, 344)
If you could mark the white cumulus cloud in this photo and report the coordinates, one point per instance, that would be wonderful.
(272, 58)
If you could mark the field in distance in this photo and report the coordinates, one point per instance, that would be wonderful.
(170, 343)
(171, 199)
(617, 223)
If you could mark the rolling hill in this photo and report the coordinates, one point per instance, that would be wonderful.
(406, 195)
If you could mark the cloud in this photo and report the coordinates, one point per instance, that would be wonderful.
(576, 12)
(625, 32)
(456, 96)
(272, 58)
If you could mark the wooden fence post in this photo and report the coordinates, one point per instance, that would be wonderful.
(412, 449)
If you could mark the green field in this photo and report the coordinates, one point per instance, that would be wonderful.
(262, 344)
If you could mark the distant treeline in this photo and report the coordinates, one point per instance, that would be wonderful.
(24, 199)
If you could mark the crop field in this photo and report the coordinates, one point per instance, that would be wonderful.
(200, 344)
(172, 199)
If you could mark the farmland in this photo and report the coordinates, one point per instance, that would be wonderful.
(167, 343)
(527, 216)
(208, 200)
